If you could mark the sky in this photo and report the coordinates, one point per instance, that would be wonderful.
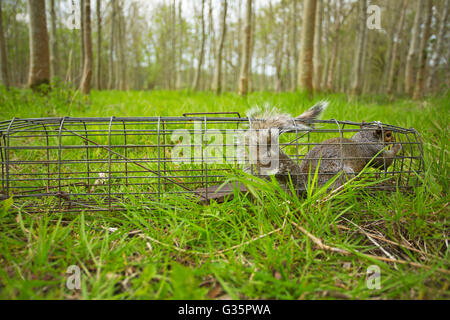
(188, 5)
(147, 7)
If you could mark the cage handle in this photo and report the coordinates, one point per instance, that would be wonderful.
(210, 113)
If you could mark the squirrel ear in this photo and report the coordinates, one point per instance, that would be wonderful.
(362, 123)
(379, 131)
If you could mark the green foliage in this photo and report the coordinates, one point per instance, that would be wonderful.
(5, 206)
(185, 285)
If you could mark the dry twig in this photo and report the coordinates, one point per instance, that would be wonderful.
(323, 246)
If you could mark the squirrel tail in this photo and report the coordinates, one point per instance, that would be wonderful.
(313, 112)
(272, 118)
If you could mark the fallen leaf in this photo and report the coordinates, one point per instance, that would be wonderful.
(215, 291)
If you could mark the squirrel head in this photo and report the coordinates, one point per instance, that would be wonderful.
(385, 135)
(371, 134)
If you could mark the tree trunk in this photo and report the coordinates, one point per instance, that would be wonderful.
(99, 46)
(198, 71)
(400, 86)
(173, 31)
(286, 82)
(87, 70)
(238, 44)
(39, 46)
(338, 77)
(361, 41)
(395, 48)
(278, 54)
(180, 48)
(278, 63)
(323, 81)
(82, 42)
(394, 7)
(411, 59)
(418, 90)
(330, 78)
(3, 57)
(112, 45)
(305, 64)
(318, 47)
(217, 86)
(387, 63)
(264, 63)
(202, 51)
(122, 74)
(117, 53)
(212, 47)
(364, 82)
(294, 46)
(243, 79)
(250, 86)
(228, 72)
(431, 82)
(135, 81)
(54, 61)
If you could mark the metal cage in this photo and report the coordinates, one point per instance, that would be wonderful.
(96, 164)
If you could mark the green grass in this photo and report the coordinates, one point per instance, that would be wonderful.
(246, 248)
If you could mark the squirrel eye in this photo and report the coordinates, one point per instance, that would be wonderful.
(388, 135)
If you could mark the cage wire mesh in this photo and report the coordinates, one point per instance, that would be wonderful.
(98, 164)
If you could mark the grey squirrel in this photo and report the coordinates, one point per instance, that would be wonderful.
(269, 119)
(366, 146)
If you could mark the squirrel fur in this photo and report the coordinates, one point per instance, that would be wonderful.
(272, 118)
(366, 146)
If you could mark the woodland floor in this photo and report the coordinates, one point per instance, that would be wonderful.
(273, 246)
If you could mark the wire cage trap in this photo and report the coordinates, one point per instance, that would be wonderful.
(98, 164)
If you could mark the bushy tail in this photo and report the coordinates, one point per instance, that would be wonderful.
(270, 117)
(313, 112)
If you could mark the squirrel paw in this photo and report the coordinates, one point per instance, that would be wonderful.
(397, 148)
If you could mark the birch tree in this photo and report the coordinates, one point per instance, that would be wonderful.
(412, 52)
(294, 49)
(437, 54)
(87, 69)
(39, 47)
(318, 66)
(3, 57)
(423, 54)
(360, 48)
(196, 84)
(99, 46)
(330, 77)
(112, 45)
(122, 63)
(54, 59)
(82, 42)
(305, 64)
(245, 66)
(180, 47)
(395, 48)
(217, 82)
